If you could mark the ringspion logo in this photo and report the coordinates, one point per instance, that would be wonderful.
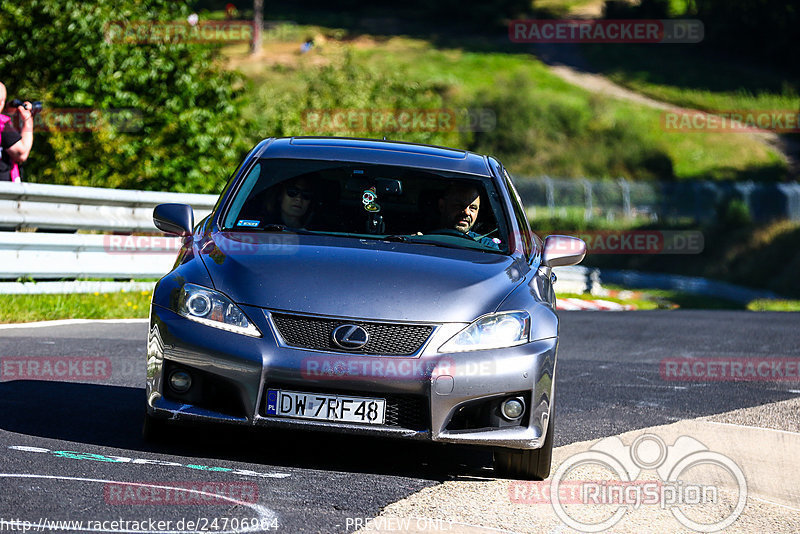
(616, 478)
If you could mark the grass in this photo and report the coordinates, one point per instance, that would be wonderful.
(689, 76)
(774, 305)
(569, 8)
(129, 305)
(661, 299)
(756, 255)
(638, 301)
(649, 299)
(652, 299)
(698, 80)
(565, 130)
(668, 298)
(27, 308)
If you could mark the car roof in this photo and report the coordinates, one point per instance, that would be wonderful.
(376, 151)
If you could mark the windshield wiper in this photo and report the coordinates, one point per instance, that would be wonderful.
(395, 237)
(284, 228)
(274, 228)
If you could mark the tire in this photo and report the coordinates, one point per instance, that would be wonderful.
(531, 464)
(155, 430)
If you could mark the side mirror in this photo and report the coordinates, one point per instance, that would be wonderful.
(174, 218)
(563, 250)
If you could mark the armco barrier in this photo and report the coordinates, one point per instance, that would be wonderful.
(687, 284)
(64, 207)
(51, 256)
(45, 255)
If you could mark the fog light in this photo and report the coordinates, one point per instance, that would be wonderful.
(512, 408)
(180, 381)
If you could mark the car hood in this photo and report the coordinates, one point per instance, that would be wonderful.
(358, 278)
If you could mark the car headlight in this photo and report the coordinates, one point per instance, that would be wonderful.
(493, 331)
(212, 308)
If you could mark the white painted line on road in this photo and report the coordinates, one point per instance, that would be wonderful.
(774, 503)
(62, 322)
(264, 513)
(752, 426)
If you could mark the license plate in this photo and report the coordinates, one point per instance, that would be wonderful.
(325, 407)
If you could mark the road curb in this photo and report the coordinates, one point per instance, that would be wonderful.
(765, 456)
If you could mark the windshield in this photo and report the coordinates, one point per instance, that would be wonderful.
(395, 203)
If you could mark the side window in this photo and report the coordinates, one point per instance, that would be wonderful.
(519, 213)
(243, 194)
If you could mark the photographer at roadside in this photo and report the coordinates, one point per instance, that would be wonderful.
(14, 145)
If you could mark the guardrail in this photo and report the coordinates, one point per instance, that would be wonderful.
(689, 284)
(64, 207)
(577, 279)
(52, 256)
(52, 253)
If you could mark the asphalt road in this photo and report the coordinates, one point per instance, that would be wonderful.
(63, 442)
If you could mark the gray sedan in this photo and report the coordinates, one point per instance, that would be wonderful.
(368, 287)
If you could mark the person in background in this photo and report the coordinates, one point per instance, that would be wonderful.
(15, 146)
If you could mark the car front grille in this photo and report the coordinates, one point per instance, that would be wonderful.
(402, 410)
(384, 338)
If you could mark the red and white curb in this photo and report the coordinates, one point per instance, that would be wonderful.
(572, 304)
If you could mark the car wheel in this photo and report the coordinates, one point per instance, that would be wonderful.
(531, 464)
(155, 430)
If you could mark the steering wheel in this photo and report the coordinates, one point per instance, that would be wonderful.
(451, 232)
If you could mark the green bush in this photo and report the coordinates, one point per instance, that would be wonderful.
(557, 134)
(734, 213)
(189, 134)
(348, 86)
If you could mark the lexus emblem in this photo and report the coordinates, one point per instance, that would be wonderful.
(350, 337)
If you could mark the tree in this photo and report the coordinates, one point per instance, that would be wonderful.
(187, 135)
(258, 24)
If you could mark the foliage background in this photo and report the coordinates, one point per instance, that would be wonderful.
(191, 132)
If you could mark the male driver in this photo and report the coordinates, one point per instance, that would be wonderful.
(14, 147)
(459, 210)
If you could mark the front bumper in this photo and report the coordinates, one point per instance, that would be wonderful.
(449, 398)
